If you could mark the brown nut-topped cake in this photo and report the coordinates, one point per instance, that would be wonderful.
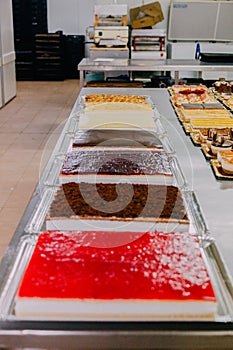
(135, 207)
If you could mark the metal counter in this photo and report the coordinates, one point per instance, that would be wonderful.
(215, 199)
(134, 65)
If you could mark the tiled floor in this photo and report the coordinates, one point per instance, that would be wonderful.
(29, 127)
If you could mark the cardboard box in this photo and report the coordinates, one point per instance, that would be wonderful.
(146, 15)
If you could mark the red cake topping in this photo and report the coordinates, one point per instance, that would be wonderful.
(160, 266)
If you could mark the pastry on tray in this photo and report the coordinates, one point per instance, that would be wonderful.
(213, 122)
(219, 144)
(116, 111)
(206, 134)
(191, 106)
(110, 165)
(222, 87)
(117, 98)
(116, 138)
(226, 160)
(188, 89)
(117, 206)
(204, 113)
(117, 118)
(94, 276)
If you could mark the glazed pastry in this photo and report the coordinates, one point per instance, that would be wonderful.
(103, 276)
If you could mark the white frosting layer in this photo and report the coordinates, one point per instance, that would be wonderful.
(117, 106)
(115, 225)
(134, 179)
(116, 119)
(117, 309)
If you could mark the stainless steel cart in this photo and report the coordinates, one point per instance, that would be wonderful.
(146, 65)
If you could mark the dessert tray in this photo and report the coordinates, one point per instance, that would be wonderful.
(179, 115)
(33, 224)
(218, 171)
(116, 138)
(25, 250)
(216, 111)
(195, 138)
(187, 128)
(113, 111)
(112, 104)
(99, 99)
(226, 98)
(207, 152)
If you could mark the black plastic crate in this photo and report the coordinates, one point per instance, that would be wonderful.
(48, 50)
(50, 65)
(74, 53)
(25, 71)
(49, 74)
(49, 36)
(49, 44)
(29, 17)
(24, 56)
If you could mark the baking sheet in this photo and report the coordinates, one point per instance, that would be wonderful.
(160, 164)
(124, 164)
(121, 119)
(51, 176)
(37, 221)
(209, 252)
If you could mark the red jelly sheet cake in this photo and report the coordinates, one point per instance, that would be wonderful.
(95, 265)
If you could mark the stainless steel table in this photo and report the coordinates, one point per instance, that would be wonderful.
(134, 65)
(216, 203)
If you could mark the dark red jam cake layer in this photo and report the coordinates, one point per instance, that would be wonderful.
(118, 201)
(121, 162)
(154, 266)
(117, 138)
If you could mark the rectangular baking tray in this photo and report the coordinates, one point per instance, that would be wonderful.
(37, 221)
(52, 178)
(25, 249)
(147, 97)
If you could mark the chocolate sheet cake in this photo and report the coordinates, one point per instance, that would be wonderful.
(116, 138)
(74, 203)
